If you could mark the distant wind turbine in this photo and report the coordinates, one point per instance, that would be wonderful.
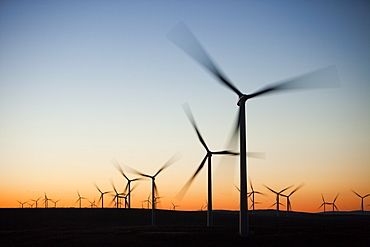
(333, 204)
(208, 156)
(36, 201)
(46, 199)
(79, 199)
(117, 195)
(288, 203)
(55, 203)
(323, 203)
(128, 186)
(174, 206)
(181, 36)
(278, 194)
(101, 198)
(154, 187)
(362, 200)
(22, 203)
(251, 195)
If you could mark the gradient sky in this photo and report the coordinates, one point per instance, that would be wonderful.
(85, 82)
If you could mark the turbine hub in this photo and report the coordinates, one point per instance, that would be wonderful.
(242, 99)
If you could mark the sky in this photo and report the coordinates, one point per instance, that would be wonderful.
(85, 83)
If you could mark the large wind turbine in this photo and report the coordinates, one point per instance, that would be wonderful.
(184, 39)
(278, 194)
(154, 187)
(208, 156)
(128, 186)
(362, 200)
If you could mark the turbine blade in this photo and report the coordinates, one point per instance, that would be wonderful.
(184, 189)
(257, 155)
(273, 191)
(226, 152)
(132, 170)
(250, 184)
(295, 190)
(336, 198)
(281, 191)
(119, 168)
(356, 193)
(321, 78)
(96, 186)
(182, 37)
(188, 112)
(172, 160)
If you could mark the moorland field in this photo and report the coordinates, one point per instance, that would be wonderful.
(132, 227)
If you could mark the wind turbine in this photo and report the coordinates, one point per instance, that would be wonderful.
(208, 156)
(154, 187)
(362, 200)
(278, 194)
(251, 195)
(128, 186)
(184, 39)
(46, 199)
(36, 201)
(117, 195)
(101, 198)
(79, 198)
(323, 203)
(22, 203)
(55, 203)
(174, 206)
(333, 203)
(288, 204)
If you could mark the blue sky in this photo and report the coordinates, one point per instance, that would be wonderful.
(85, 82)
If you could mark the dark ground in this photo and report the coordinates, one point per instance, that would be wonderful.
(124, 227)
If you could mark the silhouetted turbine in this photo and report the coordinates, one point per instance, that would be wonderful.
(154, 187)
(208, 156)
(79, 199)
(117, 195)
(323, 203)
(288, 203)
(55, 203)
(22, 203)
(128, 186)
(36, 201)
(101, 198)
(362, 200)
(333, 204)
(184, 39)
(46, 199)
(174, 206)
(251, 195)
(277, 197)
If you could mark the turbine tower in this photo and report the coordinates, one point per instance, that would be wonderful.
(208, 156)
(184, 39)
